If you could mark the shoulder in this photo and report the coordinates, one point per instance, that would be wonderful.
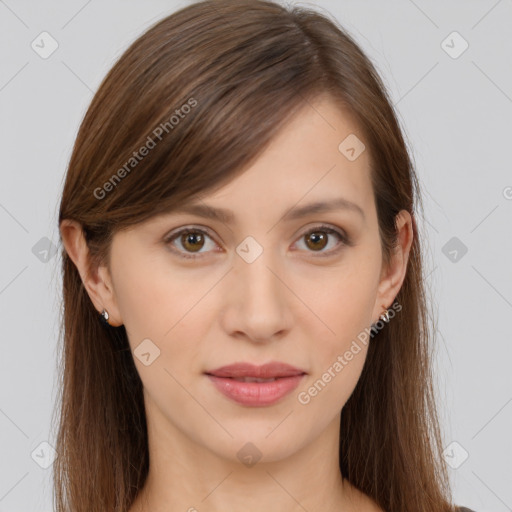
(464, 509)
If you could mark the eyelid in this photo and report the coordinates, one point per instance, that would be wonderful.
(345, 240)
(188, 227)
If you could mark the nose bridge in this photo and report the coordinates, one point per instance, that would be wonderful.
(257, 293)
(257, 276)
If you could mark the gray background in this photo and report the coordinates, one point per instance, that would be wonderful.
(457, 117)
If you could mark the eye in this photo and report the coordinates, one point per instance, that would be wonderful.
(192, 240)
(317, 239)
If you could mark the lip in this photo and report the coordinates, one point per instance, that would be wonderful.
(265, 371)
(256, 394)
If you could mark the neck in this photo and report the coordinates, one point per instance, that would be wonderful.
(186, 475)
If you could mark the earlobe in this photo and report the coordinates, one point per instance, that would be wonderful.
(97, 282)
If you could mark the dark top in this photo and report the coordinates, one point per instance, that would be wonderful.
(464, 509)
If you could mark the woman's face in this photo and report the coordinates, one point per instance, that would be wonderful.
(259, 289)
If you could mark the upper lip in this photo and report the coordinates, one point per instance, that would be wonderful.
(265, 371)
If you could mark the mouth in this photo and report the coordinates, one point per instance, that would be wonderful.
(254, 386)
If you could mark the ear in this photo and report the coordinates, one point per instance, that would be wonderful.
(98, 281)
(393, 275)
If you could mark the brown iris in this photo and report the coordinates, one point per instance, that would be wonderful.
(192, 240)
(318, 238)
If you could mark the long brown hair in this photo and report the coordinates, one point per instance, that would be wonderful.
(204, 91)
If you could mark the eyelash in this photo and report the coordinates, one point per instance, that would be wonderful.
(344, 239)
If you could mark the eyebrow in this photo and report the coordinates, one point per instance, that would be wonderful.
(227, 216)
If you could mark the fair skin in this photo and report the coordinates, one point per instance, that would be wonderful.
(290, 304)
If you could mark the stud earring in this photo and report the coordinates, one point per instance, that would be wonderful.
(385, 316)
(104, 317)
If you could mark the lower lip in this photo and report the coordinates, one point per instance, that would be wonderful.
(256, 393)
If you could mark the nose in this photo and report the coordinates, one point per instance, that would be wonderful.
(257, 304)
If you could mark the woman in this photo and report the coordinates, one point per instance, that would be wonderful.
(213, 357)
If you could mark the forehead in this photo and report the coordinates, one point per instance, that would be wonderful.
(311, 159)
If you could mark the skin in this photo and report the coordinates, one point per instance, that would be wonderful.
(290, 304)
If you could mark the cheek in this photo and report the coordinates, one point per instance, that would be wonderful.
(162, 303)
(343, 299)
(147, 289)
(143, 295)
